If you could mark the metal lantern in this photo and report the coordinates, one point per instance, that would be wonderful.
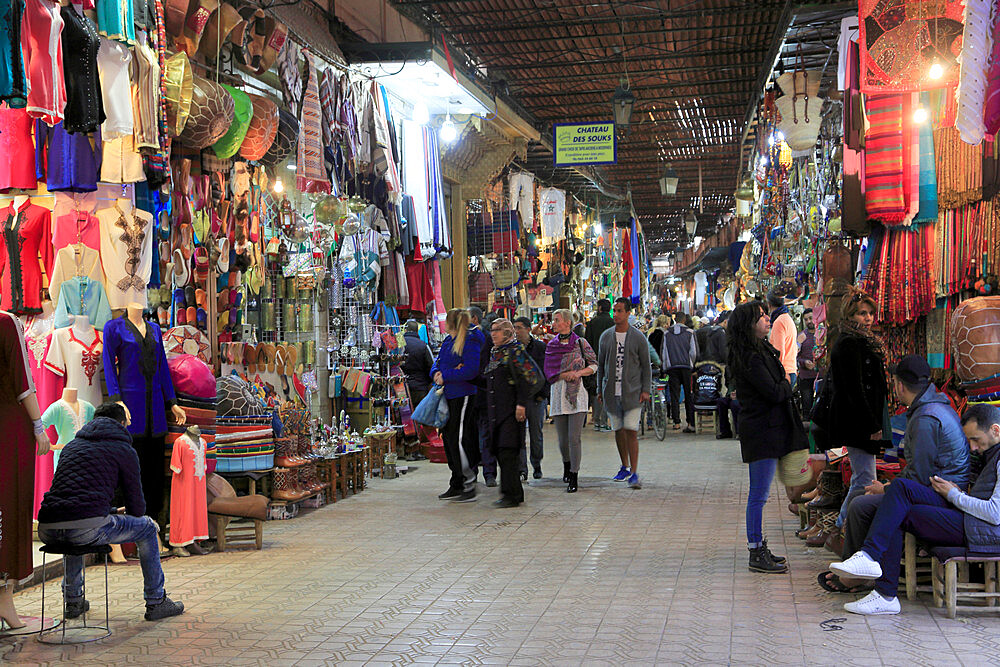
(668, 182)
(622, 102)
(691, 223)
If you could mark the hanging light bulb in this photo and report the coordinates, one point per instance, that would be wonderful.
(448, 130)
(279, 187)
(597, 228)
(920, 116)
(421, 116)
(936, 71)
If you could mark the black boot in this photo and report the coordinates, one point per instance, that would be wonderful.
(761, 561)
(566, 471)
(777, 559)
(573, 476)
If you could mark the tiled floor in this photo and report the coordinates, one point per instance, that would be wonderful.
(605, 576)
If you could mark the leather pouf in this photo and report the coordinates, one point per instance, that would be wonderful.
(212, 112)
(284, 142)
(975, 338)
(263, 128)
(192, 376)
(220, 24)
(229, 144)
(178, 81)
(236, 398)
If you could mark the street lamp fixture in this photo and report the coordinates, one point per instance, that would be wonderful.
(622, 102)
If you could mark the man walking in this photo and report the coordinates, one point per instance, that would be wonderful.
(678, 356)
(417, 364)
(597, 325)
(536, 409)
(807, 362)
(782, 336)
(624, 377)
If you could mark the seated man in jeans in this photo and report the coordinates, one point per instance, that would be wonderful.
(943, 516)
(78, 508)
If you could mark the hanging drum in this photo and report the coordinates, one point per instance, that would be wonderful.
(284, 142)
(262, 130)
(212, 112)
(975, 338)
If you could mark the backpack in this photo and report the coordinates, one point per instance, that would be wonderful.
(707, 386)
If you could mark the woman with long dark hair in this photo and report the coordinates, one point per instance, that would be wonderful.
(771, 434)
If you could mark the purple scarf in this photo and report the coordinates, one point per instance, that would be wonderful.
(562, 356)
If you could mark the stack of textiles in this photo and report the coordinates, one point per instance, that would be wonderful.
(244, 444)
(201, 413)
(983, 391)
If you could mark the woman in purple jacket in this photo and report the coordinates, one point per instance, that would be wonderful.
(456, 368)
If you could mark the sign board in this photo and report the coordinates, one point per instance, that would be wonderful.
(584, 143)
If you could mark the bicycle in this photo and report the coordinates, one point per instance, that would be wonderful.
(659, 404)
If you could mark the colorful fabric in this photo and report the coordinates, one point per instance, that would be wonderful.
(895, 53)
(884, 196)
(928, 209)
(901, 276)
(310, 174)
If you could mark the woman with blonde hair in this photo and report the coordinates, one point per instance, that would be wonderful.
(456, 369)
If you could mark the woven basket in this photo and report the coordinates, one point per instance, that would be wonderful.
(800, 81)
(800, 135)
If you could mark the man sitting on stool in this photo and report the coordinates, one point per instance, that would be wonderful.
(78, 509)
(942, 516)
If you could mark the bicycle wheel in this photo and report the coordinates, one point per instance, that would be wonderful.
(659, 416)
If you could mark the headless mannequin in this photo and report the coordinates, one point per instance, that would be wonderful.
(19, 201)
(70, 397)
(194, 548)
(83, 329)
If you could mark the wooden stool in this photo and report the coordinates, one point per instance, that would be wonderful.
(327, 469)
(948, 590)
(700, 417)
(227, 532)
(362, 464)
(915, 570)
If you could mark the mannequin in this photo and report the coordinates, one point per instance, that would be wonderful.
(37, 336)
(75, 354)
(67, 415)
(24, 439)
(135, 368)
(188, 502)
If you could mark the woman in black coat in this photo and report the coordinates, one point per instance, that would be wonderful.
(857, 404)
(770, 427)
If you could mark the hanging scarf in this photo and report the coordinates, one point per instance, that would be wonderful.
(928, 211)
(849, 327)
(884, 167)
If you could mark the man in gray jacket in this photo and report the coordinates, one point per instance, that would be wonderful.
(624, 377)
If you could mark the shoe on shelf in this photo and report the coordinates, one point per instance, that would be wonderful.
(623, 474)
(449, 494)
(491, 481)
(858, 566)
(76, 607)
(633, 482)
(761, 561)
(873, 604)
(776, 559)
(165, 608)
(465, 497)
(537, 474)
(504, 503)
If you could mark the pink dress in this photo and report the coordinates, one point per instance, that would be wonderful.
(41, 43)
(49, 386)
(188, 502)
(17, 168)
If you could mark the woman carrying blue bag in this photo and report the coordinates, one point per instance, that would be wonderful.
(456, 368)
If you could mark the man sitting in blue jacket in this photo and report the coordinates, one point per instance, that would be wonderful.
(78, 508)
(933, 445)
(943, 515)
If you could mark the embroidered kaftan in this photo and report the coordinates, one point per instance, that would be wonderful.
(66, 421)
(26, 235)
(126, 253)
(77, 358)
(188, 502)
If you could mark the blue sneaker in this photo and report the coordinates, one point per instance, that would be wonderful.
(634, 482)
(622, 475)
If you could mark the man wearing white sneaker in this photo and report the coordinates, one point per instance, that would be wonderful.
(942, 516)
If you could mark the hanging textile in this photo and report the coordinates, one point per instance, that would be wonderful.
(415, 178)
(901, 276)
(977, 41)
(901, 39)
(928, 205)
(636, 263)
(959, 169)
(884, 166)
(310, 173)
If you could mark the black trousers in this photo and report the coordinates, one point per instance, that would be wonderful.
(806, 387)
(461, 443)
(152, 473)
(860, 514)
(681, 377)
(510, 474)
(723, 406)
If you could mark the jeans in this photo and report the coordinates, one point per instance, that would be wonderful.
(535, 418)
(681, 377)
(119, 529)
(486, 456)
(915, 508)
(862, 474)
(761, 476)
(723, 407)
(568, 428)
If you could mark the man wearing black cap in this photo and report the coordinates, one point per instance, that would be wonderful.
(933, 445)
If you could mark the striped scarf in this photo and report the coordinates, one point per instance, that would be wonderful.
(310, 173)
(884, 195)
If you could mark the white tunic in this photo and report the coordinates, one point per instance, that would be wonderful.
(126, 254)
(79, 361)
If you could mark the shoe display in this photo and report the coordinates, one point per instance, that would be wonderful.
(449, 494)
(858, 566)
(761, 561)
(831, 491)
(505, 502)
(465, 497)
(633, 482)
(573, 478)
(873, 604)
(623, 474)
(165, 608)
(75, 608)
(835, 541)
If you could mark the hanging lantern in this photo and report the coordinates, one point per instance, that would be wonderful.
(668, 182)
(743, 208)
(691, 223)
(745, 191)
(622, 102)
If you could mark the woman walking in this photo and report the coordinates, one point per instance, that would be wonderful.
(568, 359)
(771, 434)
(857, 404)
(456, 368)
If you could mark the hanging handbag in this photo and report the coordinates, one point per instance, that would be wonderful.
(506, 276)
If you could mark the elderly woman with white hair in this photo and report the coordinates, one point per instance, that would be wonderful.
(568, 359)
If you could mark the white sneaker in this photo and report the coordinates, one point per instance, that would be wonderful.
(873, 604)
(858, 566)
